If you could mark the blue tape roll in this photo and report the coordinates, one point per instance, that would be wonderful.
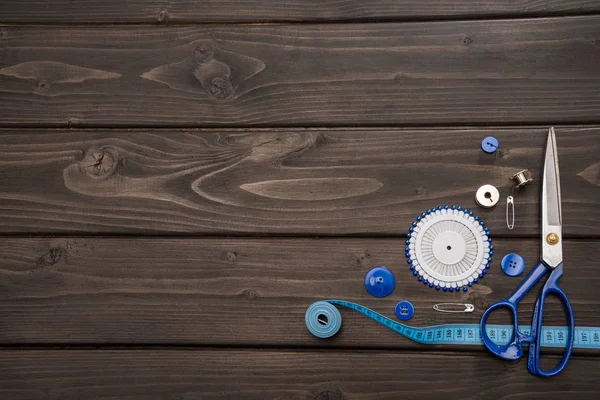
(586, 337)
(323, 320)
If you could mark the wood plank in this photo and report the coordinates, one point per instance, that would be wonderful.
(178, 11)
(274, 374)
(242, 292)
(464, 72)
(309, 182)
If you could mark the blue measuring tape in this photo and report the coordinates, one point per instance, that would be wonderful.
(324, 320)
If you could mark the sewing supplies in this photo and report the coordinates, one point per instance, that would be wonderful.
(510, 212)
(404, 310)
(454, 334)
(487, 196)
(551, 260)
(323, 319)
(454, 307)
(489, 144)
(512, 264)
(380, 281)
(448, 248)
(522, 178)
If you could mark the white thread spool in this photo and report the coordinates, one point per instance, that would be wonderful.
(487, 196)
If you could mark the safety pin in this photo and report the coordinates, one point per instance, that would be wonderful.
(448, 307)
(510, 203)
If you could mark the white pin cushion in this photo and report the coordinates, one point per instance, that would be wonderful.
(448, 248)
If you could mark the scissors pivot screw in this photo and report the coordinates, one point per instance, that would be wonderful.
(552, 239)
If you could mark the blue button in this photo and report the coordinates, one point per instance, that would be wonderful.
(380, 282)
(489, 144)
(513, 264)
(404, 310)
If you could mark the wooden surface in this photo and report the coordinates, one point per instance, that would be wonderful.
(325, 182)
(463, 72)
(190, 291)
(189, 11)
(174, 193)
(278, 374)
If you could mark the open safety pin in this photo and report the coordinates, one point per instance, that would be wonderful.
(454, 307)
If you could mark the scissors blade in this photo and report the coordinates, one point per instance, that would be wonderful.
(551, 209)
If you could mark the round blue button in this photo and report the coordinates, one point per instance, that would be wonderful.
(404, 310)
(513, 264)
(489, 144)
(380, 282)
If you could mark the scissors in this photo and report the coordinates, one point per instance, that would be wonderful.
(551, 261)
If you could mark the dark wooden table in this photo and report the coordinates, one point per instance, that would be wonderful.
(180, 180)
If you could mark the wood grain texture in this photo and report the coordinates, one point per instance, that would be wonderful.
(273, 374)
(310, 182)
(154, 11)
(243, 292)
(463, 72)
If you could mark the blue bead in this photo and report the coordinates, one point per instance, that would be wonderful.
(437, 287)
(440, 207)
(430, 284)
(407, 255)
(419, 218)
(415, 273)
(420, 278)
(490, 240)
(407, 242)
(423, 214)
(446, 207)
(484, 272)
(407, 249)
(465, 289)
(470, 284)
(411, 229)
(414, 224)
(490, 259)
(476, 218)
(454, 207)
(425, 282)
(480, 276)
(487, 266)
(466, 211)
(451, 289)
(491, 247)
(409, 261)
(412, 267)
(459, 208)
(491, 253)
(470, 212)
(429, 211)
(481, 223)
(475, 280)
(445, 289)
(486, 229)
(408, 235)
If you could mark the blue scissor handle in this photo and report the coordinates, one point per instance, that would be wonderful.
(514, 349)
(551, 287)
